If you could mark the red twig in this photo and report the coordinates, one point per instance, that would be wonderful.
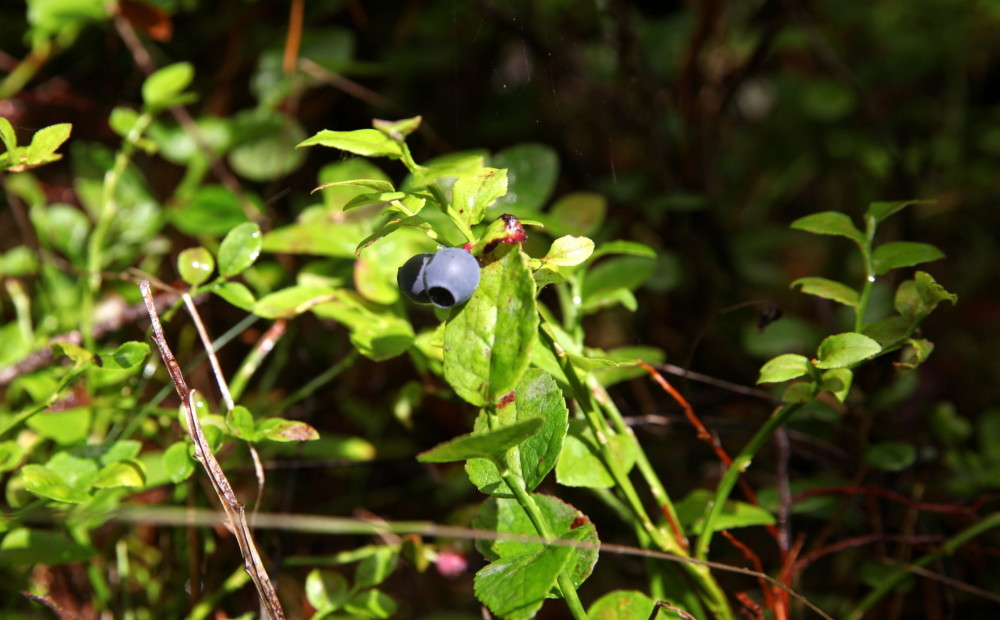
(890, 495)
(859, 541)
(769, 599)
(705, 435)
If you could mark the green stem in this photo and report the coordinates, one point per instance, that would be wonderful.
(108, 210)
(649, 474)
(27, 68)
(950, 546)
(740, 465)
(712, 594)
(866, 288)
(529, 506)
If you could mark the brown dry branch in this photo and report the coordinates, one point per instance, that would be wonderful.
(234, 510)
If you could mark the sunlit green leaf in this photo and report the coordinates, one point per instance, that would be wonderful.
(828, 289)
(366, 142)
(488, 340)
(239, 249)
(162, 88)
(195, 265)
(489, 445)
(843, 350)
(783, 368)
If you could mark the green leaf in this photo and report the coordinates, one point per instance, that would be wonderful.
(212, 210)
(45, 142)
(7, 135)
(828, 289)
(903, 254)
(33, 546)
(843, 350)
(569, 251)
(472, 194)
(195, 265)
(878, 211)
(621, 605)
(692, 509)
(292, 301)
(241, 423)
(377, 198)
(578, 213)
(377, 186)
(371, 603)
(65, 427)
(398, 130)
(488, 340)
(239, 249)
(916, 353)
(917, 298)
(376, 331)
(365, 142)
(452, 165)
(163, 88)
(80, 356)
(515, 587)
(11, 455)
(375, 568)
(532, 171)
(489, 445)
(612, 281)
(262, 149)
(837, 381)
(505, 516)
(127, 356)
(830, 223)
(235, 293)
(281, 430)
(580, 463)
(120, 474)
(536, 396)
(630, 370)
(326, 590)
(47, 483)
(783, 368)
(891, 455)
(628, 248)
(178, 462)
(799, 392)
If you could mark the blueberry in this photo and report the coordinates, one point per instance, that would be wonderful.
(450, 277)
(410, 278)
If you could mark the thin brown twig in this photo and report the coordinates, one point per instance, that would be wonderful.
(233, 509)
(227, 396)
(294, 40)
(48, 602)
(677, 610)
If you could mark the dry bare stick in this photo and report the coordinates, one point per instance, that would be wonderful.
(234, 510)
(220, 379)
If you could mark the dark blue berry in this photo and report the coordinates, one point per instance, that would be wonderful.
(450, 277)
(410, 278)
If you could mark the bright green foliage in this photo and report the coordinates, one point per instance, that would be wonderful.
(41, 150)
